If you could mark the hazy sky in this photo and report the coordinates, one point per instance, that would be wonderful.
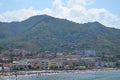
(106, 12)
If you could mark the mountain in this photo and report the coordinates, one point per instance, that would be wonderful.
(46, 33)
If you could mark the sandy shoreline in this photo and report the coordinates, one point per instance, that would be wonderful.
(49, 72)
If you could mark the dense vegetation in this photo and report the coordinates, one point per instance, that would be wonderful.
(41, 33)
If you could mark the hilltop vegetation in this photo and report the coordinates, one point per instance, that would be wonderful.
(46, 33)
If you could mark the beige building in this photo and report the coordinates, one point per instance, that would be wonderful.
(55, 63)
(35, 64)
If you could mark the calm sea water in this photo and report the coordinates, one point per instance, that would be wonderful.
(105, 75)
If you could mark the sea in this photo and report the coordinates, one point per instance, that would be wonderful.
(89, 75)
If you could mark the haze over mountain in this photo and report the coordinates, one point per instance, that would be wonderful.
(46, 33)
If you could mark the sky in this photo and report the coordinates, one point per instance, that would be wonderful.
(106, 12)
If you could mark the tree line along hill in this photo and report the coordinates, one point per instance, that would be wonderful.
(46, 33)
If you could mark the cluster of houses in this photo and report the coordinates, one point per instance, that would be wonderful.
(79, 59)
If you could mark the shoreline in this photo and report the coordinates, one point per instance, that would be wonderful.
(50, 72)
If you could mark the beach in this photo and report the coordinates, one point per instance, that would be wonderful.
(50, 72)
(63, 75)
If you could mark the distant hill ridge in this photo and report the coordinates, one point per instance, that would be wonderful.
(46, 33)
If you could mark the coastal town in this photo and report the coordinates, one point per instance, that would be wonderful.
(22, 60)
